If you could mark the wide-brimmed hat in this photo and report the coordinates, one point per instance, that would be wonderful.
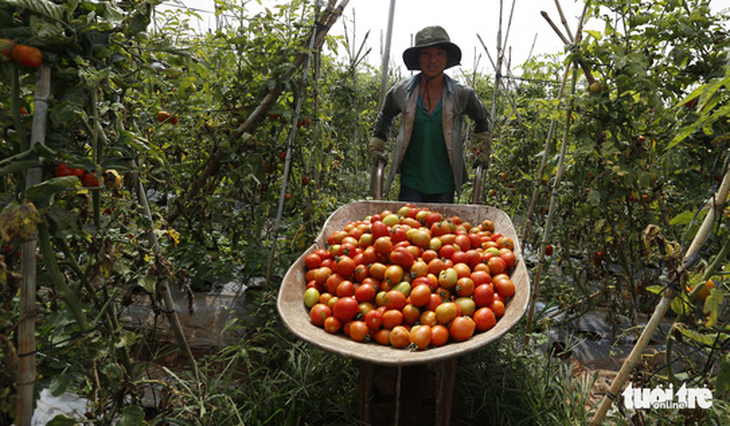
(431, 36)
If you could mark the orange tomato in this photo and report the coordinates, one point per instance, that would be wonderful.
(462, 328)
(439, 335)
(399, 337)
(359, 331)
(392, 318)
(420, 336)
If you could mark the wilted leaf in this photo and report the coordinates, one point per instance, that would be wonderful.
(19, 221)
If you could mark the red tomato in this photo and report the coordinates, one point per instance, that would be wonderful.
(344, 265)
(463, 241)
(433, 302)
(332, 282)
(369, 256)
(89, 180)
(403, 257)
(496, 265)
(461, 328)
(505, 242)
(379, 229)
(365, 293)
(508, 256)
(505, 287)
(484, 319)
(483, 295)
(465, 286)
(374, 319)
(345, 308)
(28, 56)
(319, 313)
(312, 260)
(323, 254)
(480, 277)
(435, 266)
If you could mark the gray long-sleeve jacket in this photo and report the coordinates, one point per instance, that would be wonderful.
(458, 101)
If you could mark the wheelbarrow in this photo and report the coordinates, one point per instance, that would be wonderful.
(295, 315)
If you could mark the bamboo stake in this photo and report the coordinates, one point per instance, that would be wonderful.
(553, 205)
(287, 161)
(170, 310)
(563, 20)
(716, 205)
(386, 55)
(27, 373)
(506, 92)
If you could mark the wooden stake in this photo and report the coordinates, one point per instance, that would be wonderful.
(27, 373)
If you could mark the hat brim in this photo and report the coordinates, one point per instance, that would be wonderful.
(410, 55)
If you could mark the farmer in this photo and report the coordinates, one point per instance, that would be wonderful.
(429, 151)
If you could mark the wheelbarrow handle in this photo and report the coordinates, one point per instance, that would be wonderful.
(379, 174)
(477, 190)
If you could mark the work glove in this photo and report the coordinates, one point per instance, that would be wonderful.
(483, 149)
(375, 150)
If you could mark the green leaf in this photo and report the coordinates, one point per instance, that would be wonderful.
(712, 307)
(41, 7)
(18, 166)
(707, 339)
(685, 218)
(132, 416)
(61, 420)
(722, 380)
(42, 194)
(59, 384)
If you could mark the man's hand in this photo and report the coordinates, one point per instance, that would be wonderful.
(483, 144)
(375, 150)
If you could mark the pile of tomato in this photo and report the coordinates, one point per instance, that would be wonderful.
(410, 279)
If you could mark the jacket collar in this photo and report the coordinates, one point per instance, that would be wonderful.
(448, 83)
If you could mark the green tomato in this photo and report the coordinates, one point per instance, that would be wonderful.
(311, 297)
(404, 287)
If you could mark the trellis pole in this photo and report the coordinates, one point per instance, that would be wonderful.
(558, 176)
(27, 373)
(386, 55)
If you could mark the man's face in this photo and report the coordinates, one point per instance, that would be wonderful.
(433, 60)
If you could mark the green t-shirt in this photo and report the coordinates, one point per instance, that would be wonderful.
(426, 166)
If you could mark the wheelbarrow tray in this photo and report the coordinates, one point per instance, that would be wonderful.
(290, 302)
